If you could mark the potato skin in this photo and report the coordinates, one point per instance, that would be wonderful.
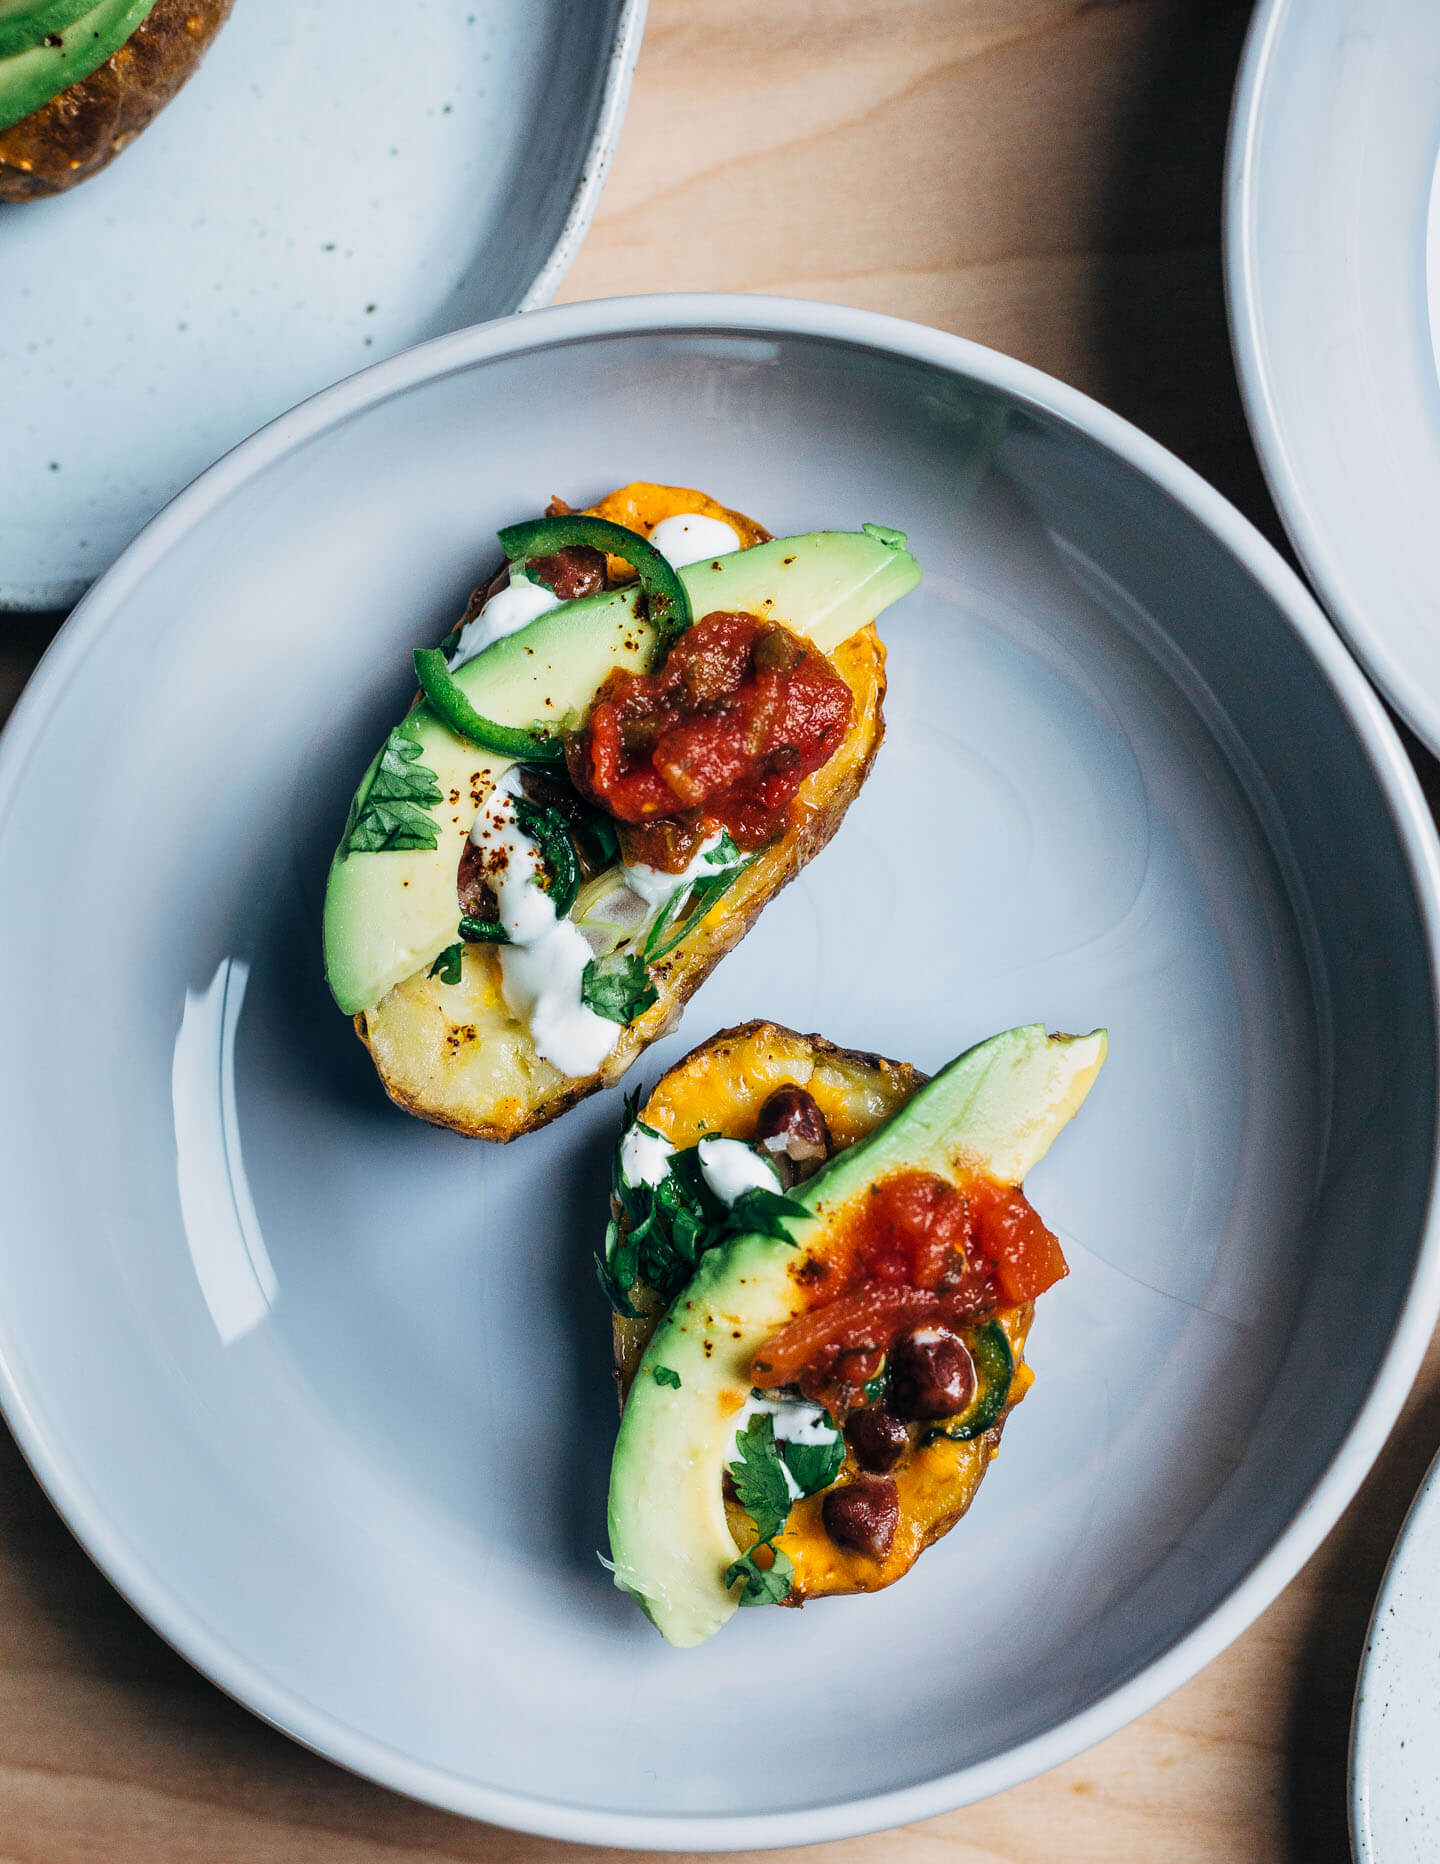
(84, 127)
(721, 1086)
(426, 1038)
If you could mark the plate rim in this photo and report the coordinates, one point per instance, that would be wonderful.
(1303, 527)
(721, 314)
(34, 598)
(1425, 1498)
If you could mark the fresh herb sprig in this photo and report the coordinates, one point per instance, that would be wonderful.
(758, 1474)
(665, 1228)
(618, 987)
(392, 814)
(447, 966)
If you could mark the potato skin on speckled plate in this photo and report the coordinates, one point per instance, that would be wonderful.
(84, 127)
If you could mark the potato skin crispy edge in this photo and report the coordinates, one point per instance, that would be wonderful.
(681, 975)
(84, 127)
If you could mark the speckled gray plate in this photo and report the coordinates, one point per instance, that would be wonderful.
(1395, 1738)
(320, 195)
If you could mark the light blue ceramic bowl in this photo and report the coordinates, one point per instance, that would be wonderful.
(325, 1391)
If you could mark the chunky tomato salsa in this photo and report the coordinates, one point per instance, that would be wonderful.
(741, 712)
(914, 1262)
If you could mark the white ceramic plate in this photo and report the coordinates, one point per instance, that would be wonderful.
(332, 186)
(326, 1391)
(1333, 263)
(1395, 1736)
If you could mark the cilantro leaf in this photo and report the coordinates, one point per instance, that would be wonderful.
(760, 1486)
(618, 987)
(664, 1375)
(763, 1213)
(447, 966)
(763, 1585)
(392, 813)
(814, 1465)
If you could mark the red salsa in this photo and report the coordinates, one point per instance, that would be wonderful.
(914, 1251)
(727, 730)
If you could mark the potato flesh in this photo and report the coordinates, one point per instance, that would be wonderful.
(454, 1054)
(721, 1087)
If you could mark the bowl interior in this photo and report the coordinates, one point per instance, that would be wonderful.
(327, 1389)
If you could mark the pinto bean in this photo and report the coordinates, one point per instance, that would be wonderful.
(931, 1373)
(573, 571)
(792, 1128)
(863, 1514)
(472, 889)
(877, 1437)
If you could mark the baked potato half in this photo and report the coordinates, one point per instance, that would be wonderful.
(73, 131)
(823, 1272)
(665, 879)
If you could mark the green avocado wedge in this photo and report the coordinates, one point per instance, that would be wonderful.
(996, 1109)
(24, 23)
(40, 68)
(390, 904)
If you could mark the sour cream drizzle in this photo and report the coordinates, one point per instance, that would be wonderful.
(644, 1157)
(543, 966)
(515, 606)
(731, 1168)
(689, 538)
(656, 887)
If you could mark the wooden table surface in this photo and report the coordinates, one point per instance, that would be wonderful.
(1043, 175)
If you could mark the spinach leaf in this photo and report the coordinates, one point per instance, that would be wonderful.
(483, 931)
(550, 833)
(447, 966)
(393, 812)
(724, 853)
(762, 1213)
(814, 1465)
(618, 987)
(664, 1375)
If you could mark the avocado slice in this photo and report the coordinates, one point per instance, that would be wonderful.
(43, 67)
(391, 912)
(995, 1110)
(24, 23)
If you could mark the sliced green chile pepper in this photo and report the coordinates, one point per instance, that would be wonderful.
(666, 601)
(995, 1364)
(452, 708)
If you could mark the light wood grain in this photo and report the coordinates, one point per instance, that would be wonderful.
(1044, 176)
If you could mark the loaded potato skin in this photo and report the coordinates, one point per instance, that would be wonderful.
(82, 128)
(691, 775)
(819, 1401)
